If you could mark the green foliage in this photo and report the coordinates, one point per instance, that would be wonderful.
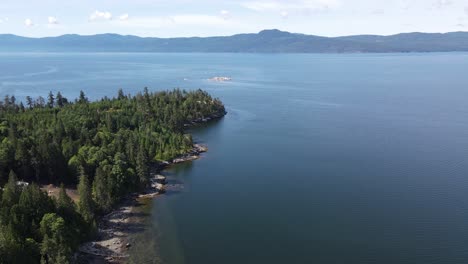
(142, 167)
(49, 142)
(20, 236)
(106, 147)
(55, 247)
(65, 205)
(11, 192)
(85, 204)
(101, 188)
(33, 204)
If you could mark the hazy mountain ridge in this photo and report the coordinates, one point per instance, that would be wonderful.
(267, 41)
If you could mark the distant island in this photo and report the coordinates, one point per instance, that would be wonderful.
(267, 41)
(220, 79)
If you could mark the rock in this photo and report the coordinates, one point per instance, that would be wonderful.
(200, 148)
(160, 188)
(161, 179)
(128, 245)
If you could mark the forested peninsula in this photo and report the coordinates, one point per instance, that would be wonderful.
(104, 148)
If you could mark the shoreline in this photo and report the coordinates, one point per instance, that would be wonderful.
(114, 228)
(112, 242)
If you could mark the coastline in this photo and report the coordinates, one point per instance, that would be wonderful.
(112, 242)
(114, 229)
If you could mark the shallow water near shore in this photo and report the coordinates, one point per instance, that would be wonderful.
(357, 158)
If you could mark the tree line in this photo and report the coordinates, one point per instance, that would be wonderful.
(105, 148)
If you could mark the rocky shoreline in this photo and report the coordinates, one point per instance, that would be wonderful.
(112, 243)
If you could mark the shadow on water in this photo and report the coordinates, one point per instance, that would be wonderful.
(145, 237)
(146, 242)
(151, 242)
(206, 128)
(144, 247)
(172, 192)
(174, 182)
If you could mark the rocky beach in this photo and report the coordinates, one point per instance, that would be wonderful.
(112, 242)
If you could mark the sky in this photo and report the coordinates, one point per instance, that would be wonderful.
(184, 18)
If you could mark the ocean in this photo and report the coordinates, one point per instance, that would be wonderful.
(330, 158)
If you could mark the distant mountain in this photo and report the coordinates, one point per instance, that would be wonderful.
(267, 41)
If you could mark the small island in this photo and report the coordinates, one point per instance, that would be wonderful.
(103, 154)
(220, 79)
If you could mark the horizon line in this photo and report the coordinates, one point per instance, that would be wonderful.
(217, 36)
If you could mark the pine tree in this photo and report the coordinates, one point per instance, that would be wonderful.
(21, 107)
(142, 167)
(120, 95)
(50, 100)
(65, 205)
(40, 102)
(29, 102)
(60, 100)
(85, 204)
(101, 190)
(83, 99)
(11, 192)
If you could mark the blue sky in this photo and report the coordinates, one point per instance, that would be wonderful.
(176, 18)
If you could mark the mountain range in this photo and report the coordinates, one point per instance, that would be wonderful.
(266, 41)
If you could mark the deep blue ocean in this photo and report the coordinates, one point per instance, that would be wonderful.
(358, 158)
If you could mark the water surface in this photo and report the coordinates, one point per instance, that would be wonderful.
(321, 158)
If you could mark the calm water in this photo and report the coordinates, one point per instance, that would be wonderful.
(321, 159)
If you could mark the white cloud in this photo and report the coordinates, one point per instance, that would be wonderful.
(225, 14)
(378, 12)
(28, 22)
(123, 17)
(52, 20)
(306, 6)
(442, 3)
(466, 10)
(284, 14)
(98, 15)
(405, 5)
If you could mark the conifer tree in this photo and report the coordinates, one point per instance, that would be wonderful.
(64, 203)
(11, 192)
(85, 204)
(142, 167)
(50, 100)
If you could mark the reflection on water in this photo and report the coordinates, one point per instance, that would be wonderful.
(146, 245)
